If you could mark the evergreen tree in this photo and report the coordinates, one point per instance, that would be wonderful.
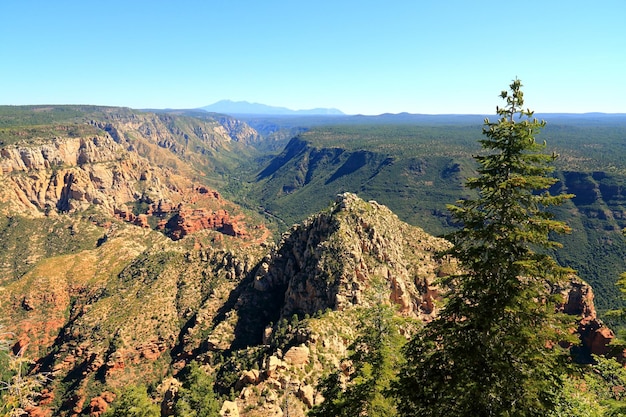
(19, 390)
(493, 350)
(375, 358)
(133, 402)
(196, 398)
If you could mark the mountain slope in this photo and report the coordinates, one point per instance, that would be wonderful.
(111, 239)
(138, 306)
(244, 107)
(308, 173)
(120, 265)
(416, 169)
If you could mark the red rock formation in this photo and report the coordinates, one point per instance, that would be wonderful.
(181, 220)
(594, 335)
(140, 220)
(188, 221)
(34, 411)
(98, 405)
(211, 193)
(152, 351)
(46, 397)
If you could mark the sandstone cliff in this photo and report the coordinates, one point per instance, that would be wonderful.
(120, 266)
(128, 164)
(139, 306)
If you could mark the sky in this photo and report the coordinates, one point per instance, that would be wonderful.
(362, 57)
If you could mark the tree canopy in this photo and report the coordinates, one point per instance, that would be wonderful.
(493, 350)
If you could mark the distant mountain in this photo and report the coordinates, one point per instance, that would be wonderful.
(244, 107)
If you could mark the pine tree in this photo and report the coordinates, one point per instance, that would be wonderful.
(196, 397)
(375, 358)
(133, 402)
(493, 350)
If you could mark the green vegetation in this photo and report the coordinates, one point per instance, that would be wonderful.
(491, 350)
(133, 402)
(5, 357)
(196, 397)
(24, 241)
(19, 390)
(12, 116)
(488, 351)
(413, 164)
(375, 357)
(26, 125)
(593, 391)
(39, 134)
(398, 165)
(416, 168)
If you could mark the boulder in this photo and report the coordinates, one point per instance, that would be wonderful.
(297, 355)
(229, 409)
(247, 378)
(98, 405)
(306, 393)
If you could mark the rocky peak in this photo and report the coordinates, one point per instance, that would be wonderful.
(595, 337)
(238, 130)
(334, 258)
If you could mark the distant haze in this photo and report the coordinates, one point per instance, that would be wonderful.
(244, 107)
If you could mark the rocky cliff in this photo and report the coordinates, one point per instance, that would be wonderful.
(127, 164)
(120, 266)
(70, 174)
(139, 306)
(331, 259)
(205, 142)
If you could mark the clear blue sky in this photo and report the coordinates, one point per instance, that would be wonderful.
(363, 56)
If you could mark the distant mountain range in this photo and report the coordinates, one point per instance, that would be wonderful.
(244, 107)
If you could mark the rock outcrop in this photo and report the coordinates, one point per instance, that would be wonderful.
(238, 130)
(72, 174)
(193, 214)
(106, 172)
(339, 261)
(187, 221)
(132, 306)
(594, 335)
(334, 260)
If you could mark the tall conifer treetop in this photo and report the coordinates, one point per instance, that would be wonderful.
(492, 350)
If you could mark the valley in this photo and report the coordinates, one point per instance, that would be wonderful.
(135, 244)
(417, 165)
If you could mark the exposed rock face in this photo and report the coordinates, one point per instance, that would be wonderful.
(99, 405)
(70, 174)
(297, 355)
(116, 309)
(163, 129)
(131, 155)
(188, 221)
(180, 220)
(333, 259)
(238, 130)
(229, 409)
(106, 172)
(594, 335)
(136, 305)
(307, 394)
(59, 152)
